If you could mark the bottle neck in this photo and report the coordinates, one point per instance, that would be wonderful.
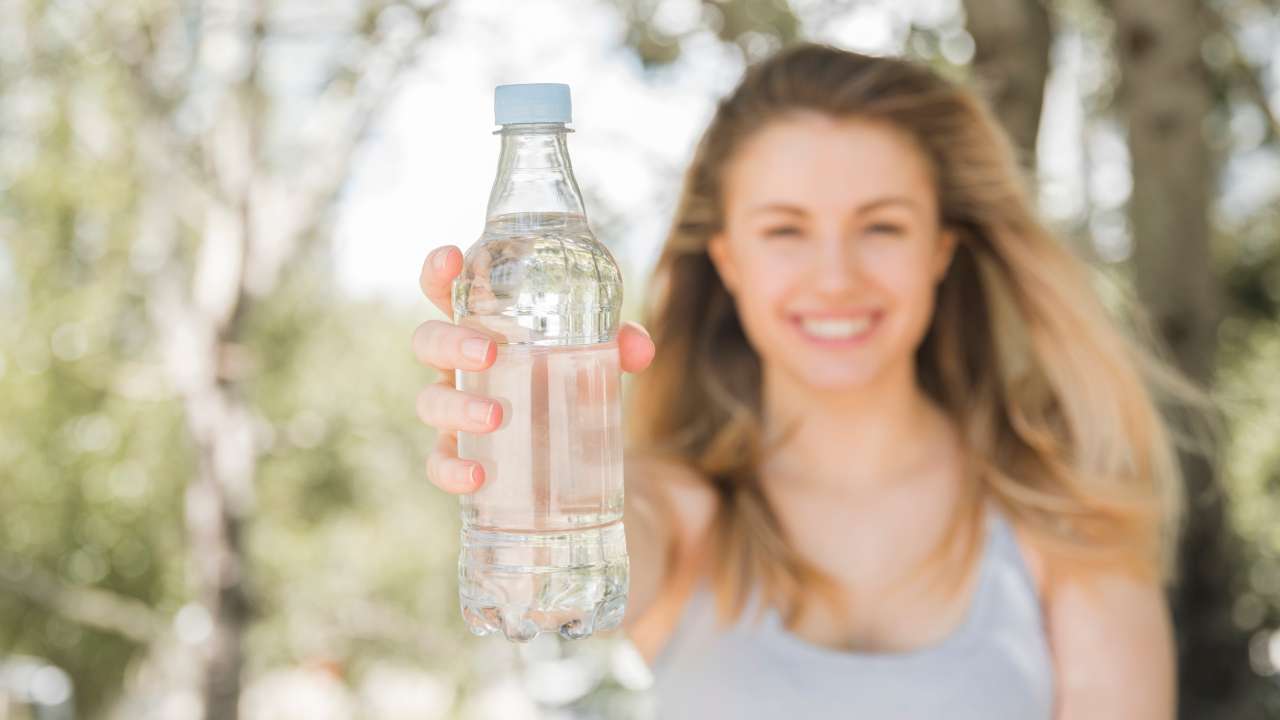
(535, 182)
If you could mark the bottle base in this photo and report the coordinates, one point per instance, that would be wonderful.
(524, 625)
(573, 583)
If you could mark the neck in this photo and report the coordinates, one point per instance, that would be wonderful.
(859, 441)
(535, 178)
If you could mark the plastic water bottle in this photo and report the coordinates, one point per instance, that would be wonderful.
(542, 540)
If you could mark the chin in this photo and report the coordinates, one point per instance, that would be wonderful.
(837, 379)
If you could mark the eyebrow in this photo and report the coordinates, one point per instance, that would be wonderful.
(865, 207)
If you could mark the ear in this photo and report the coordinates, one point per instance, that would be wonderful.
(718, 251)
(944, 252)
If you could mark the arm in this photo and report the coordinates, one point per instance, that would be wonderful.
(1112, 648)
(667, 510)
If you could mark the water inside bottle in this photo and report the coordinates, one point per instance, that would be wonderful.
(543, 547)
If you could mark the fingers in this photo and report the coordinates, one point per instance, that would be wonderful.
(445, 408)
(635, 348)
(449, 473)
(438, 271)
(445, 346)
(450, 410)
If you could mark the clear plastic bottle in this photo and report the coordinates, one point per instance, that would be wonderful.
(542, 539)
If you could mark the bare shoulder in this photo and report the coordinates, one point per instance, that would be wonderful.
(679, 493)
(670, 506)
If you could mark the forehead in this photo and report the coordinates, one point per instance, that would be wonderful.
(822, 163)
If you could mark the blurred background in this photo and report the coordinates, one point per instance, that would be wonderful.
(212, 217)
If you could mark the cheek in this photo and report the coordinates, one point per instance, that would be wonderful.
(904, 274)
(767, 281)
(898, 265)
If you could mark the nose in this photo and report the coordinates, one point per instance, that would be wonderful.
(836, 268)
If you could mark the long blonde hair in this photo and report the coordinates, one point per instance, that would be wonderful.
(1053, 402)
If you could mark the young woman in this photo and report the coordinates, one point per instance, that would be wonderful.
(890, 459)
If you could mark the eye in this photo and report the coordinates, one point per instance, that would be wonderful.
(885, 228)
(782, 231)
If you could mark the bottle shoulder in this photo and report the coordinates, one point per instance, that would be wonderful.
(542, 278)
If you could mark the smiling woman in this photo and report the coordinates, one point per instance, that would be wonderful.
(888, 415)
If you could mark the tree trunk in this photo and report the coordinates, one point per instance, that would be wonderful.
(253, 220)
(215, 519)
(1012, 39)
(1166, 95)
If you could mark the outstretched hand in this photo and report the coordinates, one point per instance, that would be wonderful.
(448, 347)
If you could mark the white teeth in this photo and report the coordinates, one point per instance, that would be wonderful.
(836, 328)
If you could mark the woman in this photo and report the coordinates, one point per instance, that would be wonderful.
(890, 459)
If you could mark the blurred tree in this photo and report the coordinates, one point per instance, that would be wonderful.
(249, 206)
(85, 429)
(1012, 40)
(755, 27)
(1166, 95)
(205, 177)
(1240, 39)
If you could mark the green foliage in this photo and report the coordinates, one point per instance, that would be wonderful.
(354, 551)
(92, 450)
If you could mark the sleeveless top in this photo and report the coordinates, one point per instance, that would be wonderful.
(995, 666)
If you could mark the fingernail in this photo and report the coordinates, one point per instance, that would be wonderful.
(473, 475)
(467, 475)
(479, 411)
(438, 256)
(475, 349)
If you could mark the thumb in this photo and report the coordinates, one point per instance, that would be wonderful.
(635, 347)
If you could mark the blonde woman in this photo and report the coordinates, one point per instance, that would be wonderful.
(890, 458)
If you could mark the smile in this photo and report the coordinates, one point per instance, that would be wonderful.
(841, 331)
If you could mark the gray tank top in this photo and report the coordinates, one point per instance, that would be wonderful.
(995, 666)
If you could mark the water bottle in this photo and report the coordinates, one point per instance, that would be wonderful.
(542, 540)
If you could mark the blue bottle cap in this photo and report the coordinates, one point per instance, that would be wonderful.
(531, 103)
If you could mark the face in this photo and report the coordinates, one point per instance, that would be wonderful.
(832, 249)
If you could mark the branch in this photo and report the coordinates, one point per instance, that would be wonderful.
(368, 107)
(89, 606)
(299, 202)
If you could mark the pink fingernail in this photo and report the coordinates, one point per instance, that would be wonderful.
(475, 349)
(480, 412)
(438, 257)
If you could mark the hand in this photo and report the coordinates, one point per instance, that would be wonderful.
(447, 347)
